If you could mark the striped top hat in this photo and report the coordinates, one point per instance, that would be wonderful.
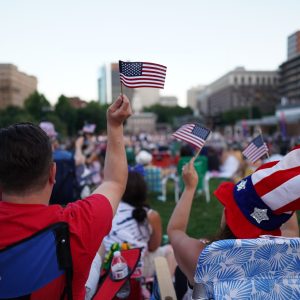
(260, 203)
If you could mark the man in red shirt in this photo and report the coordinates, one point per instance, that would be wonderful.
(27, 176)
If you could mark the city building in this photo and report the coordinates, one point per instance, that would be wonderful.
(238, 89)
(109, 88)
(116, 85)
(287, 116)
(168, 100)
(289, 71)
(102, 86)
(15, 86)
(144, 97)
(193, 95)
(293, 45)
(76, 102)
(141, 122)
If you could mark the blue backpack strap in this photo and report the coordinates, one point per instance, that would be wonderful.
(32, 263)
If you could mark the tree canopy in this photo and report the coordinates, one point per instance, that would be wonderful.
(167, 114)
(66, 119)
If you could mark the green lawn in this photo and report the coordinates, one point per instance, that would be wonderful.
(205, 217)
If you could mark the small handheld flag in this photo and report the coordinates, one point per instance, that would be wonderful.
(256, 149)
(89, 128)
(193, 134)
(142, 74)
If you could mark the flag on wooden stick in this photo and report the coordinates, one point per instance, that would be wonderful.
(256, 149)
(193, 134)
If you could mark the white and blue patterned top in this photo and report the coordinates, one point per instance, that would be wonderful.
(260, 269)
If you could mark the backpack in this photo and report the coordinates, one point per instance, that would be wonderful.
(67, 188)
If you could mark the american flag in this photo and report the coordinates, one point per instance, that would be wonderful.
(142, 74)
(89, 128)
(256, 149)
(193, 134)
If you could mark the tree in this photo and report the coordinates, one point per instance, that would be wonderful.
(66, 114)
(166, 114)
(37, 105)
(92, 113)
(14, 114)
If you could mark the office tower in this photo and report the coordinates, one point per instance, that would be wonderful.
(102, 86)
(115, 83)
(289, 71)
(293, 45)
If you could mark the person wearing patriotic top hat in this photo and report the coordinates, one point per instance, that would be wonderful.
(260, 204)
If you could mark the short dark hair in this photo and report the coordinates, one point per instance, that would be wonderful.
(25, 158)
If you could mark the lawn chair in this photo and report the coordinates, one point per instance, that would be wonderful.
(109, 288)
(206, 183)
(260, 269)
(164, 278)
(37, 262)
(200, 166)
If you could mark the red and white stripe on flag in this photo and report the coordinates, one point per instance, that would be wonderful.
(279, 186)
(192, 134)
(142, 74)
(256, 149)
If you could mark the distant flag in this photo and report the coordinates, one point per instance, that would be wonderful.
(142, 74)
(89, 128)
(192, 134)
(256, 149)
(282, 124)
(245, 128)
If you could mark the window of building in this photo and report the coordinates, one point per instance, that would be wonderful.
(263, 80)
(242, 80)
(250, 80)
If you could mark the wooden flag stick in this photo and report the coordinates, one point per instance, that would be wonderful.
(260, 132)
(197, 153)
(121, 89)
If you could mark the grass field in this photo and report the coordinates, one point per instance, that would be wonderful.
(205, 217)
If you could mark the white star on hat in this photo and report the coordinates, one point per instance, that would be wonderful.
(260, 215)
(241, 185)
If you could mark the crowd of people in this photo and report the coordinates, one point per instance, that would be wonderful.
(113, 174)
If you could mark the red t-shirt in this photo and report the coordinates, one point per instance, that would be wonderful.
(89, 221)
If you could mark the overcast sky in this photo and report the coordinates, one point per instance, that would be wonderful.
(63, 42)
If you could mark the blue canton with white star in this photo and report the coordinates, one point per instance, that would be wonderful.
(201, 132)
(258, 141)
(131, 69)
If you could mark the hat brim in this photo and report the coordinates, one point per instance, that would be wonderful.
(237, 222)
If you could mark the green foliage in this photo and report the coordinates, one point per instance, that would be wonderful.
(60, 126)
(66, 114)
(13, 114)
(205, 217)
(92, 113)
(230, 117)
(37, 106)
(66, 119)
(166, 114)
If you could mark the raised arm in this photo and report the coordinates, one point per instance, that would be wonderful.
(78, 156)
(115, 166)
(186, 249)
